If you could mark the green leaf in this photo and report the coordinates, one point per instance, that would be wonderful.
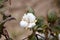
(40, 30)
(56, 28)
(32, 37)
(40, 22)
(58, 21)
(1, 1)
(52, 17)
(30, 10)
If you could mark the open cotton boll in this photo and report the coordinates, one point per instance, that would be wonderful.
(31, 25)
(23, 23)
(31, 17)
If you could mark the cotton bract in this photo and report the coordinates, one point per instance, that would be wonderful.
(28, 20)
(31, 25)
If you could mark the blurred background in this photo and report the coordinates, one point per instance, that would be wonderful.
(18, 7)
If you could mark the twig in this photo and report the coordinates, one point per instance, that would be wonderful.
(46, 33)
(6, 20)
(5, 33)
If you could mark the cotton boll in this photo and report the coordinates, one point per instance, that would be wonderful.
(25, 18)
(23, 23)
(28, 20)
(31, 17)
(31, 25)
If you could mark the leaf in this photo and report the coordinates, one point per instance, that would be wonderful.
(56, 28)
(32, 37)
(52, 17)
(40, 22)
(30, 10)
(40, 31)
(58, 21)
(1, 1)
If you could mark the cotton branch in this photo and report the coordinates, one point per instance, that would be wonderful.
(8, 19)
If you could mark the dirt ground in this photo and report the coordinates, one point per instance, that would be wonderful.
(17, 9)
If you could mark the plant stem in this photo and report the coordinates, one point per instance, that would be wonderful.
(46, 34)
(5, 33)
(35, 34)
(56, 36)
(10, 18)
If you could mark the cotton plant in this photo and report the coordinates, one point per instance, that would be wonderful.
(41, 30)
(54, 25)
(30, 21)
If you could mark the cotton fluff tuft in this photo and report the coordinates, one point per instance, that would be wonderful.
(31, 17)
(23, 23)
(31, 25)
